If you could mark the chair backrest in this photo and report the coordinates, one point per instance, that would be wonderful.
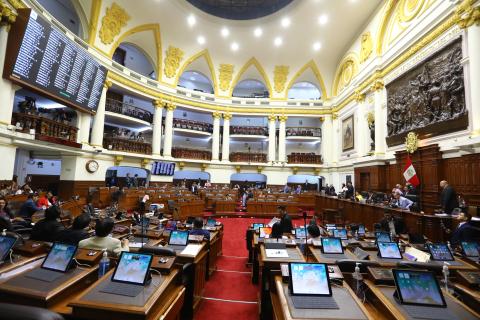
(20, 312)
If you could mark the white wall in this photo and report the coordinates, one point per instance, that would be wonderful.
(136, 60)
(250, 177)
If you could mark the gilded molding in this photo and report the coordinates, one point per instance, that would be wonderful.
(107, 84)
(467, 13)
(94, 16)
(377, 85)
(144, 163)
(282, 118)
(252, 61)
(259, 169)
(272, 118)
(313, 66)
(359, 97)
(170, 106)
(334, 116)
(208, 59)
(17, 4)
(280, 74)
(227, 116)
(345, 73)
(225, 75)
(113, 21)
(216, 115)
(157, 103)
(117, 160)
(172, 61)
(7, 16)
(366, 47)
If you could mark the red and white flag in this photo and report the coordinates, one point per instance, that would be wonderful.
(409, 173)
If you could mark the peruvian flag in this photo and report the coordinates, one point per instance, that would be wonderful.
(409, 172)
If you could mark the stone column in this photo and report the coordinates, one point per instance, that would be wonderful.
(216, 135)
(99, 119)
(226, 137)
(157, 127)
(83, 124)
(7, 88)
(282, 144)
(167, 144)
(327, 139)
(362, 135)
(271, 137)
(380, 117)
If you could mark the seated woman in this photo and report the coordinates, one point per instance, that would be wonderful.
(313, 233)
(48, 228)
(77, 232)
(198, 229)
(102, 240)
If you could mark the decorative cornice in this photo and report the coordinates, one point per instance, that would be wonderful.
(366, 47)
(172, 61)
(377, 85)
(157, 103)
(216, 115)
(467, 13)
(7, 16)
(334, 116)
(170, 106)
(359, 97)
(107, 84)
(282, 118)
(94, 16)
(113, 21)
(17, 4)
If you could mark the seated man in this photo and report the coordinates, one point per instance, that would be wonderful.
(48, 228)
(102, 240)
(466, 230)
(392, 224)
(400, 201)
(77, 232)
(198, 229)
(29, 207)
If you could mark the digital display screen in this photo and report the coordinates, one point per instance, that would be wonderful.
(265, 232)
(59, 257)
(257, 226)
(44, 59)
(417, 287)
(211, 222)
(470, 249)
(309, 279)
(300, 233)
(332, 245)
(330, 226)
(382, 236)
(132, 268)
(160, 168)
(178, 238)
(6, 243)
(340, 233)
(389, 250)
(440, 252)
(361, 229)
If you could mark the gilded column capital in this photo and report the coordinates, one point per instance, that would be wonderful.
(227, 116)
(107, 84)
(377, 85)
(216, 115)
(282, 118)
(467, 13)
(272, 118)
(158, 103)
(7, 16)
(359, 97)
(170, 106)
(322, 119)
(334, 116)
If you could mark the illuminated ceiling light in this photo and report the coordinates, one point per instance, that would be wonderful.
(225, 32)
(191, 20)
(278, 41)
(234, 46)
(201, 39)
(323, 19)
(286, 22)
(317, 46)
(258, 32)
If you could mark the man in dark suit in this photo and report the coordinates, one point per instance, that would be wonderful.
(392, 224)
(285, 219)
(350, 191)
(448, 197)
(467, 230)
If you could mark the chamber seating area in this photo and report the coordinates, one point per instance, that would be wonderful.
(248, 157)
(184, 153)
(297, 157)
(129, 110)
(192, 125)
(249, 130)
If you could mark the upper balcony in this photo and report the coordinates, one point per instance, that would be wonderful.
(303, 134)
(191, 128)
(247, 133)
(122, 113)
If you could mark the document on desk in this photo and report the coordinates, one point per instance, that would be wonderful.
(276, 253)
(192, 249)
(136, 244)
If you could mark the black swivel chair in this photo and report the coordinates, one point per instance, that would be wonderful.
(19, 312)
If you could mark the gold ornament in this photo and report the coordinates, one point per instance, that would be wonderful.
(366, 47)
(203, 166)
(117, 160)
(225, 76)
(7, 16)
(468, 13)
(370, 118)
(170, 106)
(172, 61)
(227, 116)
(295, 170)
(282, 118)
(259, 169)
(272, 117)
(216, 115)
(359, 97)
(411, 142)
(114, 20)
(377, 85)
(238, 169)
(107, 84)
(181, 165)
(280, 74)
(144, 163)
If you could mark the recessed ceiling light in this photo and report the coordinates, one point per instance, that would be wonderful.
(201, 39)
(286, 22)
(323, 19)
(258, 32)
(191, 20)
(225, 32)
(278, 41)
(234, 46)
(317, 46)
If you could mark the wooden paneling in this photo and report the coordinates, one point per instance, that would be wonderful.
(463, 174)
(68, 188)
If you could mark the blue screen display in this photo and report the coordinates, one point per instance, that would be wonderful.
(418, 288)
(59, 257)
(309, 278)
(389, 250)
(132, 267)
(470, 249)
(332, 245)
(178, 238)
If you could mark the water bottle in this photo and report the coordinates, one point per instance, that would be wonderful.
(445, 272)
(358, 277)
(104, 264)
(4, 232)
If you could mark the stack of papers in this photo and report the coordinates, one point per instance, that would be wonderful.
(276, 253)
(192, 249)
(136, 244)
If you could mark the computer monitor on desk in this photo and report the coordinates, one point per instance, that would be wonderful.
(382, 236)
(470, 249)
(419, 288)
(57, 262)
(389, 250)
(340, 233)
(300, 233)
(257, 226)
(265, 232)
(178, 238)
(332, 245)
(440, 252)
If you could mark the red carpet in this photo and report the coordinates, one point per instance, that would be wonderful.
(219, 310)
(232, 264)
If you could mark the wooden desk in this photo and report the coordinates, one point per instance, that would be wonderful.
(470, 296)
(323, 258)
(19, 261)
(283, 310)
(162, 302)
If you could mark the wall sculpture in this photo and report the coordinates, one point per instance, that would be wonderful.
(429, 99)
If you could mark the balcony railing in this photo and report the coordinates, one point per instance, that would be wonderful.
(304, 132)
(46, 129)
(248, 157)
(306, 158)
(249, 130)
(128, 110)
(192, 125)
(127, 145)
(184, 153)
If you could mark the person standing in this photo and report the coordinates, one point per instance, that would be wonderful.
(448, 197)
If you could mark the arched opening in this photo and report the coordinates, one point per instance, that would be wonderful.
(134, 58)
(66, 13)
(195, 80)
(250, 88)
(304, 90)
(124, 176)
(254, 180)
(187, 177)
(306, 181)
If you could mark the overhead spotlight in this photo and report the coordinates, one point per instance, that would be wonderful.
(201, 39)
(278, 41)
(191, 20)
(317, 46)
(323, 19)
(286, 22)
(234, 46)
(258, 32)
(225, 32)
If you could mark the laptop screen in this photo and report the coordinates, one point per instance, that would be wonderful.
(382, 236)
(332, 245)
(300, 233)
(389, 250)
(265, 231)
(59, 257)
(361, 229)
(470, 249)
(340, 233)
(132, 268)
(309, 279)
(6, 243)
(418, 287)
(439, 251)
(257, 226)
(178, 238)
